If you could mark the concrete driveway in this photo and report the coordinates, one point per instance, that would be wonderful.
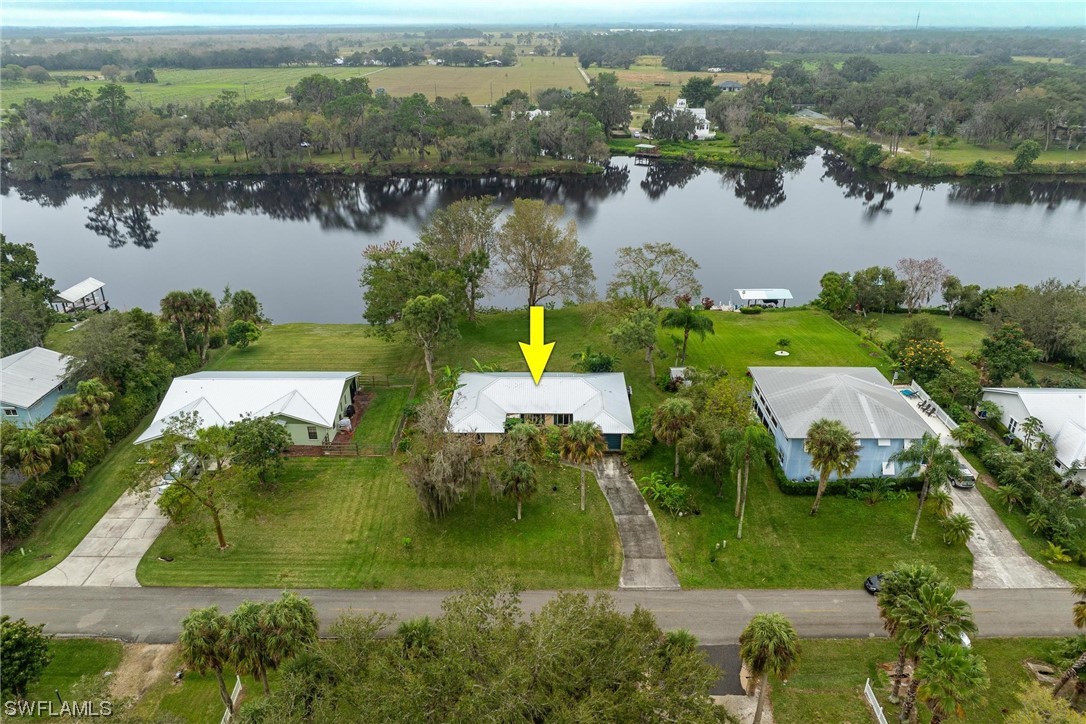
(110, 552)
(999, 561)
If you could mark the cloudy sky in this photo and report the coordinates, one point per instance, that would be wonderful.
(616, 13)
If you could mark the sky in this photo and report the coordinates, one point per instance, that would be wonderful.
(479, 13)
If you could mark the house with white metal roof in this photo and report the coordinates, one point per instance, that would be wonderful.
(789, 399)
(87, 294)
(484, 402)
(308, 404)
(31, 382)
(1062, 412)
(769, 297)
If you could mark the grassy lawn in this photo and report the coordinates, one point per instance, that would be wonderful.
(828, 685)
(378, 424)
(72, 659)
(331, 347)
(343, 523)
(784, 547)
(60, 336)
(72, 516)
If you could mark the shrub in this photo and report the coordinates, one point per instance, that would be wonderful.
(842, 487)
(672, 496)
(636, 447)
(984, 168)
(957, 529)
(754, 309)
(216, 340)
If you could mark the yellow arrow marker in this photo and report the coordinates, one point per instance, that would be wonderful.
(536, 353)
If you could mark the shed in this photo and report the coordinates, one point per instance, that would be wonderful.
(767, 297)
(87, 294)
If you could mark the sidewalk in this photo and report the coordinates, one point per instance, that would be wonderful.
(108, 556)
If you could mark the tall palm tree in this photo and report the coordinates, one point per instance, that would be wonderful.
(1078, 615)
(205, 315)
(672, 421)
(523, 442)
(93, 399)
(833, 449)
(931, 616)
(518, 482)
(33, 448)
(768, 645)
(934, 461)
(951, 677)
(755, 446)
(896, 586)
(291, 625)
(177, 309)
(688, 319)
(245, 640)
(707, 449)
(68, 434)
(203, 646)
(582, 444)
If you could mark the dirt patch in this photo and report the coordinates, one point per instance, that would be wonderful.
(142, 666)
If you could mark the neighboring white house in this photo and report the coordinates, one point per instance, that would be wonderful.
(31, 382)
(767, 297)
(701, 127)
(484, 401)
(1062, 413)
(308, 404)
(789, 399)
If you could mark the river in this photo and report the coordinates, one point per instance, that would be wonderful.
(296, 242)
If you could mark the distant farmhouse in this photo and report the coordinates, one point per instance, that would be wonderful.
(308, 404)
(31, 382)
(484, 402)
(701, 127)
(730, 86)
(1062, 413)
(789, 399)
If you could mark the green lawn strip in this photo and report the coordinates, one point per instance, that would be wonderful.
(784, 547)
(378, 423)
(828, 684)
(60, 337)
(73, 659)
(344, 523)
(333, 347)
(71, 517)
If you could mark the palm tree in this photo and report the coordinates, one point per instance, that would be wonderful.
(756, 444)
(934, 461)
(177, 308)
(672, 420)
(291, 625)
(942, 504)
(582, 444)
(245, 640)
(523, 442)
(707, 449)
(931, 616)
(33, 448)
(1078, 615)
(203, 646)
(205, 315)
(93, 399)
(833, 449)
(896, 586)
(957, 529)
(688, 319)
(768, 645)
(518, 481)
(68, 434)
(951, 677)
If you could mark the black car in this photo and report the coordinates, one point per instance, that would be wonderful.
(873, 583)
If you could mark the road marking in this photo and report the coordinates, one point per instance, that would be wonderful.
(744, 602)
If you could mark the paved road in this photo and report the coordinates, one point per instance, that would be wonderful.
(110, 552)
(644, 563)
(153, 615)
(999, 561)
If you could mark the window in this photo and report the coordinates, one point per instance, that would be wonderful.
(11, 412)
(312, 430)
(888, 468)
(884, 443)
(563, 419)
(1012, 425)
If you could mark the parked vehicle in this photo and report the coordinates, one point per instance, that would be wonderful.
(186, 465)
(964, 479)
(873, 584)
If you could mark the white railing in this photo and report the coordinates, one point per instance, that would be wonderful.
(234, 698)
(939, 412)
(876, 707)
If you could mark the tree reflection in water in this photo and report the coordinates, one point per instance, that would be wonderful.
(663, 175)
(757, 189)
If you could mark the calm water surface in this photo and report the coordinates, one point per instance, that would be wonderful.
(296, 242)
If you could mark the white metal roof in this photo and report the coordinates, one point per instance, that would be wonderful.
(484, 400)
(859, 397)
(750, 294)
(28, 376)
(1062, 412)
(84, 288)
(221, 398)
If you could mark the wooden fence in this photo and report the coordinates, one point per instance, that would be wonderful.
(385, 380)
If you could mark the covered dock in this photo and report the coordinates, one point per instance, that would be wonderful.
(644, 152)
(765, 297)
(88, 294)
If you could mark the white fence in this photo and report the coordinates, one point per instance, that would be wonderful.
(234, 698)
(939, 412)
(876, 707)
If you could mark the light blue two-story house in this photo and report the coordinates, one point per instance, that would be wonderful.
(31, 382)
(789, 399)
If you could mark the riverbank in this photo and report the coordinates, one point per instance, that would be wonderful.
(710, 153)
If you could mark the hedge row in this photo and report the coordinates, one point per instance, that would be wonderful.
(841, 487)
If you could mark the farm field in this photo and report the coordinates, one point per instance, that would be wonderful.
(644, 76)
(191, 86)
